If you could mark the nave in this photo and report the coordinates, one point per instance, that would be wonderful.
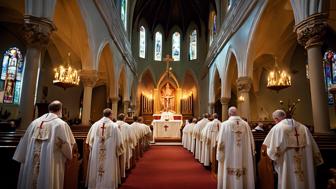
(168, 167)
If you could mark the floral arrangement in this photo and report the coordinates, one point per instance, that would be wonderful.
(291, 107)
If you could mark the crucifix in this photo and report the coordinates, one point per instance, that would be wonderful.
(103, 129)
(167, 60)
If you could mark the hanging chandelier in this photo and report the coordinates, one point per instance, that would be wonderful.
(278, 79)
(66, 76)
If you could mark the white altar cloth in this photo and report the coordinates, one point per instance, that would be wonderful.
(167, 129)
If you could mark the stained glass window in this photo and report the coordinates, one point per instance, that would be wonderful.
(193, 46)
(12, 75)
(329, 65)
(212, 26)
(176, 46)
(142, 42)
(158, 47)
(123, 13)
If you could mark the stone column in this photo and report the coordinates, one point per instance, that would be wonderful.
(211, 107)
(88, 78)
(115, 106)
(126, 104)
(178, 98)
(37, 32)
(310, 34)
(225, 106)
(156, 101)
(244, 86)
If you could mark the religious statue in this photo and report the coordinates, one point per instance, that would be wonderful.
(167, 98)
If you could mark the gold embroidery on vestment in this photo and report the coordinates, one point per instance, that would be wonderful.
(238, 172)
(298, 168)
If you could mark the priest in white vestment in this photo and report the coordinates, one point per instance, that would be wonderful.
(203, 139)
(129, 141)
(105, 141)
(190, 133)
(198, 143)
(185, 135)
(193, 138)
(294, 152)
(43, 151)
(147, 132)
(210, 138)
(235, 154)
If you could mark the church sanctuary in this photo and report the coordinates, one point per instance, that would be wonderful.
(168, 94)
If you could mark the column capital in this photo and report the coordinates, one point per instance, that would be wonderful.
(114, 99)
(88, 77)
(37, 31)
(310, 32)
(244, 84)
(225, 100)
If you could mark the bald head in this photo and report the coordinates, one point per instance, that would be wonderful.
(278, 115)
(55, 107)
(233, 111)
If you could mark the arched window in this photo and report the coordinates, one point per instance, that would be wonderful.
(123, 13)
(176, 52)
(158, 47)
(329, 65)
(193, 45)
(142, 42)
(212, 26)
(12, 75)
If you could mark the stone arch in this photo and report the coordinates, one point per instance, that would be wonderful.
(214, 74)
(230, 74)
(172, 78)
(229, 83)
(145, 87)
(106, 70)
(71, 34)
(281, 35)
(191, 84)
(122, 83)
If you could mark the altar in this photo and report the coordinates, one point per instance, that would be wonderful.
(167, 125)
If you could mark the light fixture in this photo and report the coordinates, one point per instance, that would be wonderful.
(277, 78)
(66, 76)
(241, 98)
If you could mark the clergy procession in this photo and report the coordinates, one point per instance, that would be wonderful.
(290, 150)
(48, 143)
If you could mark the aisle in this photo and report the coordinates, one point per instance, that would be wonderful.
(169, 167)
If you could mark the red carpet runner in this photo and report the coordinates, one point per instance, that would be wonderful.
(169, 167)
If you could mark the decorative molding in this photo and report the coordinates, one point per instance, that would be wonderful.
(89, 78)
(244, 84)
(37, 31)
(107, 8)
(238, 13)
(311, 31)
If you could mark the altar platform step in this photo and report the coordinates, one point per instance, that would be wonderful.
(168, 139)
(167, 144)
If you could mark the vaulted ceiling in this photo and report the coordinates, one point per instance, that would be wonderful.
(170, 13)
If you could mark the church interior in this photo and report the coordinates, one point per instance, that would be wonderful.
(167, 61)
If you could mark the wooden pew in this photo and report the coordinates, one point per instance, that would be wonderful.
(327, 145)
